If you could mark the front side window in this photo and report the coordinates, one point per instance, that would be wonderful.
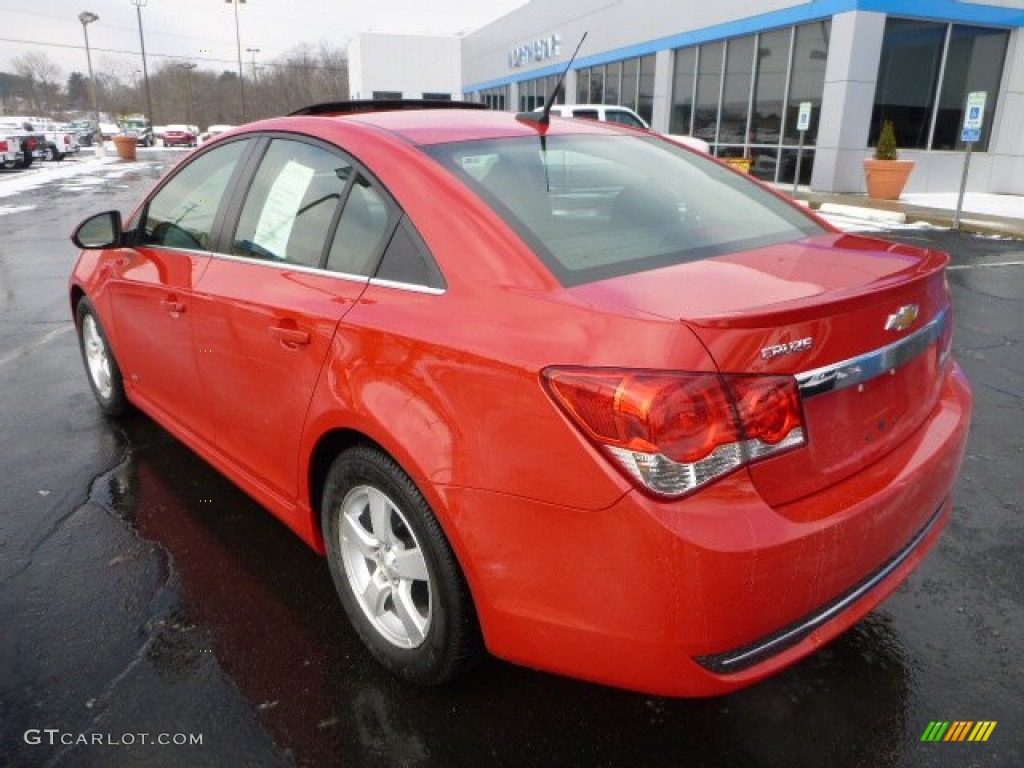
(594, 207)
(182, 213)
(291, 206)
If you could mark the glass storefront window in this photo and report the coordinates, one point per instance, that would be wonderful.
(739, 64)
(582, 86)
(628, 83)
(974, 62)
(907, 75)
(709, 85)
(807, 83)
(612, 76)
(770, 87)
(596, 86)
(630, 75)
(915, 54)
(645, 89)
(685, 67)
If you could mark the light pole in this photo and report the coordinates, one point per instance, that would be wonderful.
(238, 42)
(145, 71)
(188, 66)
(253, 51)
(88, 18)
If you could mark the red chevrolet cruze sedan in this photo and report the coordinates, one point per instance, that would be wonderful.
(569, 392)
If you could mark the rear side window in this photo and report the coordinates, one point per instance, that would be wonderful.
(182, 213)
(292, 204)
(365, 221)
(623, 118)
(586, 114)
(594, 207)
(408, 261)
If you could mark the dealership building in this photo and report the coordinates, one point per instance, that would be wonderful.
(736, 73)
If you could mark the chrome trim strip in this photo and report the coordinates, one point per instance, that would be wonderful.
(857, 370)
(748, 656)
(411, 287)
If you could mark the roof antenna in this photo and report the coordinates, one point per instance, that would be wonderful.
(544, 117)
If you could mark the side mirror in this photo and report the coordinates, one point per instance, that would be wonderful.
(100, 231)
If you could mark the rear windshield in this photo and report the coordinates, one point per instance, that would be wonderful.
(594, 207)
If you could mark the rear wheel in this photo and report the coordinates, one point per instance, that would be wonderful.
(100, 365)
(395, 572)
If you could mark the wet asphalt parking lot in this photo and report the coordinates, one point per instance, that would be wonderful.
(141, 593)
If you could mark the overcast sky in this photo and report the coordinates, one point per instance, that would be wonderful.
(204, 30)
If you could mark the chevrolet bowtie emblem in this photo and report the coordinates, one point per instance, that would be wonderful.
(902, 319)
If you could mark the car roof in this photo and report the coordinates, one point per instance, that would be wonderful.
(429, 126)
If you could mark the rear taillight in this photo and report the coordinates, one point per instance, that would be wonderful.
(675, 432)
(30, 144)
(4, 147)
(67, 140)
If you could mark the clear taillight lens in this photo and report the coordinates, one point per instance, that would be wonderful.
(675, 432)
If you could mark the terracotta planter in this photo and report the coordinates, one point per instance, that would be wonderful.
(887, 178)
(126, 147)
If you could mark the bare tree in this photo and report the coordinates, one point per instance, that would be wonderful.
(41, 77)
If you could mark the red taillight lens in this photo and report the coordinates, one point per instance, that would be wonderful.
(675, 432)
(67, 140)
(768, 406)
(4, 147)
(30, 143)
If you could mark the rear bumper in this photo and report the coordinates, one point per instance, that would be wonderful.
(718, 591)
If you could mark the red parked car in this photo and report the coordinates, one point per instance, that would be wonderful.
(180, 136)
(568, 392)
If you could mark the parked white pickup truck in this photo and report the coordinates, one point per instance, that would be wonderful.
(29, 145)
(8, 154)
(60, 142)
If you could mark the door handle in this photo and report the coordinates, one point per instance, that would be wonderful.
(173, 306)
(290, 337)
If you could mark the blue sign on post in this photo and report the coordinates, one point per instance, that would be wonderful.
(970, 135)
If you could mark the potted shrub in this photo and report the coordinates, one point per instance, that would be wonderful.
(886, 174)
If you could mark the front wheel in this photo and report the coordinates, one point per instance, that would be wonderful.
(395, 572)
(104, 373)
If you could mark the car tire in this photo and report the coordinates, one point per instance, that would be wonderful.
(103, 372)
(26, 162)
(396, 574)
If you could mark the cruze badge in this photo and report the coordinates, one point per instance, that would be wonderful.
(903, 318)
(788, 348)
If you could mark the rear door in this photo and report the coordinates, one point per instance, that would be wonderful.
(307, 239)
(152, 283)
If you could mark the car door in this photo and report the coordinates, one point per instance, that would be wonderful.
(266, 314)
(152, 283)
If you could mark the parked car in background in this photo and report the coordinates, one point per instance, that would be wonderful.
(612, 113)
(138, 127)
(109, 130)
(59, 141)
(569, 392)
(85, 130)
(8, 153)
(158, 132)
(179, 135)
(29, 144)
(213, 130)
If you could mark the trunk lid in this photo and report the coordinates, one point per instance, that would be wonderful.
(855, 319)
